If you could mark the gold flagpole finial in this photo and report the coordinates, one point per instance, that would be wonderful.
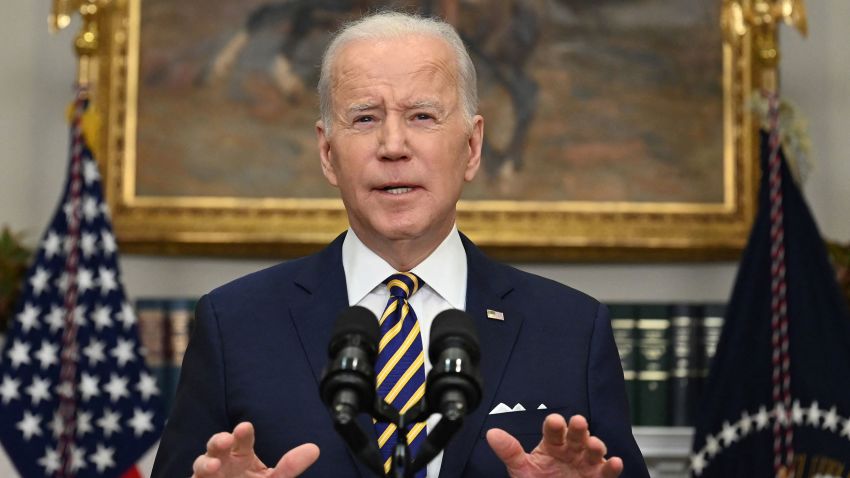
(760, 18)
(87, 41)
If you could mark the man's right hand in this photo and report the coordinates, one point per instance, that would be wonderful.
(231, 455)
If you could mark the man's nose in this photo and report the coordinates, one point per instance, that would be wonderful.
(393, 140)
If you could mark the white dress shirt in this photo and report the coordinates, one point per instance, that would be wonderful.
(444, 275)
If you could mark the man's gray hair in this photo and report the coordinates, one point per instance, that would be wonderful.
(389, 25)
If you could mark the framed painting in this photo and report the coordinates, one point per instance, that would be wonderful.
(614, 129)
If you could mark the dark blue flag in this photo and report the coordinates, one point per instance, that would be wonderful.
(777, 401)
(76, 398)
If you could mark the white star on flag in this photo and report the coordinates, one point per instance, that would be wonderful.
(39, 390)
(29, 317)
(52, 245)
(830, 420)
(50, 461)
(102, 317)
(814, 414)
(116, 388)
(106, 279)
(78, 459)
(141, 422)
(19, 354)
(88, 244)
(95, 352)
(90, 172)
(9, 389)
(124, 352)
(39, 281)
(102, 458)
(88, 386)
(90, 209)
(108, 242)
(127, 316)
(147, 386)
(85, 280)
(84, 423)
(47, 355)
(109, 422)
(55, 319)
(29, 425)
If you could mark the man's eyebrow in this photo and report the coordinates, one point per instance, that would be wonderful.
(356, 108)
(426, 104)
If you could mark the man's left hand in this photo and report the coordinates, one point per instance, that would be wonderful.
(565, 451)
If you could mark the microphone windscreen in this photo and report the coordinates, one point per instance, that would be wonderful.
(453, 327)
(357, 320)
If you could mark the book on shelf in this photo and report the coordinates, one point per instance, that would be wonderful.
(653, 364)
(665, 351)
(165, 325)
(623, 323)
(685, 373)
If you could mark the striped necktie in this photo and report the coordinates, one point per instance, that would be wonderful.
(400, 367)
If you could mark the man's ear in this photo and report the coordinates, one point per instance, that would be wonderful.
(475, 143)
(325, 154)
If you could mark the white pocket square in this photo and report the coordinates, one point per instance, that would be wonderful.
(502, 408)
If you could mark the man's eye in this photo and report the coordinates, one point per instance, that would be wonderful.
(423, 116)
(364, 119)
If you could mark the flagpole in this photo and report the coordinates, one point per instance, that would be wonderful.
(760, 20)
(87, 42)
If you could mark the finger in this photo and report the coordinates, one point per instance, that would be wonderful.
(577, 434)
(243, 439)
(506, 447)
(205, 466)
(554, 430)
(612, 468)
(295, 461)
(219, 445)
(595, 451)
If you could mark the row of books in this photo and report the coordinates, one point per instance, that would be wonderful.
(666, 352)
(164, 327)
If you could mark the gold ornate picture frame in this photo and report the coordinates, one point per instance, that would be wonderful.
(514, 229)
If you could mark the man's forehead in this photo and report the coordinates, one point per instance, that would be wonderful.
(406, 56)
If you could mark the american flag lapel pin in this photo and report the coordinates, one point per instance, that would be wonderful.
(495, 315)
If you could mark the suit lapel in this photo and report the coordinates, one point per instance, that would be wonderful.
(323, 280)
(487, 287)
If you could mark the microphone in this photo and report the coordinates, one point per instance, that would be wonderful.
(454, 384)
(453, 388)
(348, 381)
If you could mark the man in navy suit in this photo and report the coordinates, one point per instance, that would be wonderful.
(399, 136)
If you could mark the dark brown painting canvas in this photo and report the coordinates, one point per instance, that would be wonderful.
(584, 100)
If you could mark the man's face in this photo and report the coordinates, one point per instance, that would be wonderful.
(399, 147)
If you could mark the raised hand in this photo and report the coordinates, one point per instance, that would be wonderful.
(231, 455)
(564, 452)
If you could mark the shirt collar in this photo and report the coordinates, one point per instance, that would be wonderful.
(444, 270)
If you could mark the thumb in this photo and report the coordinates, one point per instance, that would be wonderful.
(506, 447)
(295, 461)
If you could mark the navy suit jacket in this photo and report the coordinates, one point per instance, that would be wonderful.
(259, 345)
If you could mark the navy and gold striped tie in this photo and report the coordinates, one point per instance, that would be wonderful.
(400, 367)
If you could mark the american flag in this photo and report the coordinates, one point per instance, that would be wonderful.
(76, 398)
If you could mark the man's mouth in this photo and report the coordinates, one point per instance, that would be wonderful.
(397, 189)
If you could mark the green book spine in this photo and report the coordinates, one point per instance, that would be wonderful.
(181, 313)
(653, 364)
(685, 373)
(152, 319)
(712, 326)
(623, 322)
